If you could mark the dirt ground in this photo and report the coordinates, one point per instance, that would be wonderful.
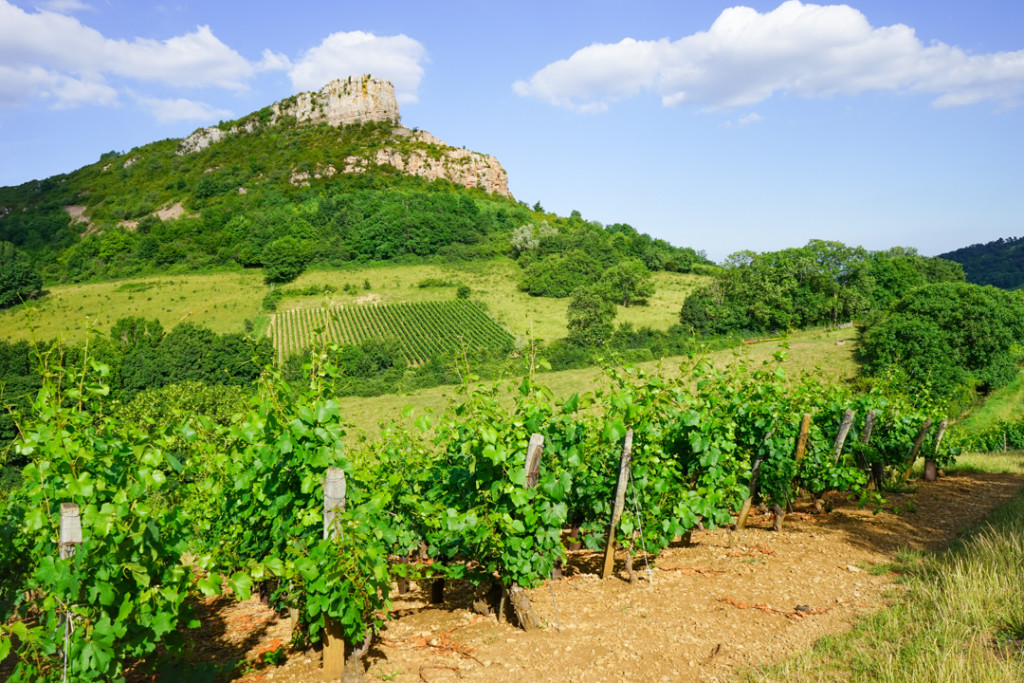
(726, 601)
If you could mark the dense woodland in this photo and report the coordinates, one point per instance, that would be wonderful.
(999, 263)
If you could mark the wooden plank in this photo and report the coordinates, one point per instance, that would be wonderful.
(620, 501)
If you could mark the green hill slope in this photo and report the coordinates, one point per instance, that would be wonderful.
(999, 263)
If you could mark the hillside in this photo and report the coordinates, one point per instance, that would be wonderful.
(999, 263)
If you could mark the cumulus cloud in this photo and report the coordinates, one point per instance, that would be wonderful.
(61, 58)
(806, 50)
(180, 109)
(397, 58)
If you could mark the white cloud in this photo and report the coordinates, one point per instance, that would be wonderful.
(181, 109)
(61, 90)
(745, 57)
(274, 61)
(64, 6)
(354, 53)
(61, 58)
(752, 117)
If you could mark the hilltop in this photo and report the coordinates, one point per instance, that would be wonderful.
(334, 169)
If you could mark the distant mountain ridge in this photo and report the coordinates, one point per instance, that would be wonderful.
(999, 263)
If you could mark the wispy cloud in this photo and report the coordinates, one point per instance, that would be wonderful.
(397, 58)
(805, 50)
(65, 6)
(178, 109)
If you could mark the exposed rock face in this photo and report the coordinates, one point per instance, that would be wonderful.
(460, 166)
(342, 102)
(200, 140)
(359, 99)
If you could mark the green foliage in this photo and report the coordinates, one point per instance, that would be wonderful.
(822, 283)
(999, 263)
(628, 283)
(949, 336)
(559, 276)
(18, 278)
(125, 587)
(283, 260)
(589, 316)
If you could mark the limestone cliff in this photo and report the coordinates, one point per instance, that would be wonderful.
(359, 99)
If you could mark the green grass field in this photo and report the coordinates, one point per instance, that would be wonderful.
(223, 301)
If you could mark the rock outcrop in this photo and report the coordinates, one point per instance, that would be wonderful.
(343, 102)
(434, 160)
(360, 99)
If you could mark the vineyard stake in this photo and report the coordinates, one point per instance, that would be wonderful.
(865, 438)
(741, 519)
(516, 595)
(918, 442)
(620, 501)
(844, 430)
(334, 641)
(931, 467)
(798, 455)
(70, 538)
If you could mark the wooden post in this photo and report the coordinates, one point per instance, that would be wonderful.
(520, 601)
(532, 466)
(801, 440)
(620, 501)
(334, 641)
(931, 467)
(70, 530)
(844, 430)
(865, 438)
(918, 442)
(741, 519)
(798, 455)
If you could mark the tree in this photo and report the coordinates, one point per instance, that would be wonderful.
(283, 260)
(18, 279)
(954, 337)
(589, 316)
(629, 282)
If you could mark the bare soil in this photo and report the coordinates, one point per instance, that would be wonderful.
(726, 601)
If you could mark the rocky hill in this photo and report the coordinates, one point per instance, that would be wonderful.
(365, 99)
(334, 170)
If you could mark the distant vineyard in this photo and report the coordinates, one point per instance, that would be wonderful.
(425, 328)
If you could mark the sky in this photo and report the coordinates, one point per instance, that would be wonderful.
(713, 125)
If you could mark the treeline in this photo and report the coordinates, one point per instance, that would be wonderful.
(138, 354)
(822, 283)
(999, 263)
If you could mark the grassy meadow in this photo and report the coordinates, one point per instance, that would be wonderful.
(222, 301)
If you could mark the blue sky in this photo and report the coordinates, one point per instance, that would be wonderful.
(713, 125)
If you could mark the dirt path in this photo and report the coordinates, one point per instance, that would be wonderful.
(726, 601)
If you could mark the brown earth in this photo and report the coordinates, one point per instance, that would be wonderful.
(706, 610)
